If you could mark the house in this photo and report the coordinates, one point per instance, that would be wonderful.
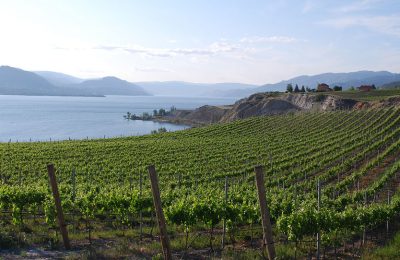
(323, 88)
(366, 88)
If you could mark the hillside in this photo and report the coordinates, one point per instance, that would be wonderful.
(111, 86)
(282, 103)
(58, 79)
(188, 89)
(394, 84)
(346, 80)
(55, 83)
(107, 199)
(15, 81)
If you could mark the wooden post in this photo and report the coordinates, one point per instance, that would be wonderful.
(140, 212)
(387, 221)
(318, 234)
(73, 180)
(364, 230)
(57, 201)
(159, 212)
(268, 241)
(226, 201)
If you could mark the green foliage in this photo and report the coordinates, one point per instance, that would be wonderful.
(294, 149)
(289, 88)
(320, 97)
(390, 251)
(160, 130)
(296, 89)
(379, 94)
(337, 88)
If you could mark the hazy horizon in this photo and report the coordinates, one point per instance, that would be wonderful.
(249, 42)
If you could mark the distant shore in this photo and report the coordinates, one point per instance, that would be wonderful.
(49, 95)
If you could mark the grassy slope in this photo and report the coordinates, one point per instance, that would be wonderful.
(390, 251)
(368, 96)
(203, 149)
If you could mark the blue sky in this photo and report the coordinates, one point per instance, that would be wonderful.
(200, 40)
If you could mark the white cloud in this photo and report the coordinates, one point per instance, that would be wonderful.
(382, 24)
(308, 6)
(213, 49)
(357, 6)
(269, 39)
(152, 69)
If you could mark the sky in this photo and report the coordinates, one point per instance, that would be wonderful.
(207, 41)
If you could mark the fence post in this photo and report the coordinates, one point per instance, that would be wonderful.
(73, 184)
(387, 221)
(159, 212)
(364, 230)
(57, 201)
(73, 180)
(268, 241)
(140, 212)
(319, 205)
(226, 201)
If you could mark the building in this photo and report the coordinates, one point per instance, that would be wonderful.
(323, 88)
(366, 88)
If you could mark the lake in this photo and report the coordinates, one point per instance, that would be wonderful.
(25, 118)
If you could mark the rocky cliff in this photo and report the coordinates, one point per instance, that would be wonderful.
(271, 104)
(200, 116)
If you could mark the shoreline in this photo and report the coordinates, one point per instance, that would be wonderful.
(178, 121)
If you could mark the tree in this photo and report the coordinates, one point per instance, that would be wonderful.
(160, 130)
(373, 86)
(289, 88)
(302, 89)
(146, 116)
(337, 88)
(161, 112)
(155, 113)
(296, 89)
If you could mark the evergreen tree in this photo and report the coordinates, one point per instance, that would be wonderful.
(289, 88)
(337, 88)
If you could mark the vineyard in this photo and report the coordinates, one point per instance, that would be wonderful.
(206, 178)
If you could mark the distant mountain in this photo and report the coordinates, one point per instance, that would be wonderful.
(59, 79)
(346, 80)
(188, 89)
(15, 81)
(102, 86)
(111, 86)
(394, 84)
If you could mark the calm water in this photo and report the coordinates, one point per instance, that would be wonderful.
(25, 118)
